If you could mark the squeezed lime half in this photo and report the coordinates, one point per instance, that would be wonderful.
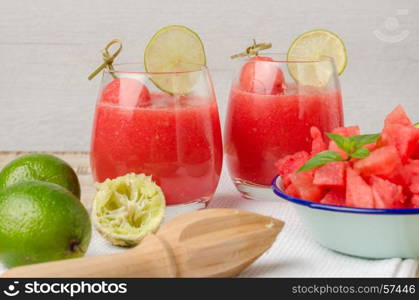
(128, 208)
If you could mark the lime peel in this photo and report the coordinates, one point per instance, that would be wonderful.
(128, 208)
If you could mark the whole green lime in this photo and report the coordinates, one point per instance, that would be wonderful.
(42, 167)
(39, 222)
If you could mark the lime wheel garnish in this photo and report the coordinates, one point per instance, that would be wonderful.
(318, 46)
(174, 49)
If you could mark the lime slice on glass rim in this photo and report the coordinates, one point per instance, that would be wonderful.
(128, 208)
(174, 48)
(317, 45)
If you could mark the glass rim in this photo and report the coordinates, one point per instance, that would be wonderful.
(200, 68)
(286, 60)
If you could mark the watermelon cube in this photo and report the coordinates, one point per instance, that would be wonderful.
(334, 197)
(318, 145)
(414, 185)
(303, 182)
(290, 164)
(412, 167)
(382, 161)
(386, 194)
(358, 192)
(408, 172)
(331, 174)
(400, 176)
(286, 181)
(415, 201)
(404, 138)
(292, 191)
(415, 154)
(347, 131)
(398, 116)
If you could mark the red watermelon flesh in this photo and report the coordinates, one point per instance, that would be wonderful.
(358, 192)
(334, 197)
(126, 92)
(399, 176)
(382, 161)
(408, 171)
(386, 194)
(347, 131)
(303, 182)
(286, 181)
(415, 201)
(292, 191)
(318, 145)
(412, 168)
(290, 164)
(331, 174)
(262, 77)
(404, 138)
(398, 116)
(415, 154)
(414, 185)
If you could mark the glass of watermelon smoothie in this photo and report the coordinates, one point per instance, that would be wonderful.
(173, 136)
(273, 104)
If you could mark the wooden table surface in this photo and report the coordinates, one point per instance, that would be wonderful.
(80, 163)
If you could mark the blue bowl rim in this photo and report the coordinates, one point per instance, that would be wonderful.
(343, 209)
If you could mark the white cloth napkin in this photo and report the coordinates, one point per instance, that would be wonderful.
(294, 254)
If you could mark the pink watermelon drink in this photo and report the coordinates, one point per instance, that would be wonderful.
(270, 116)
(176, 139)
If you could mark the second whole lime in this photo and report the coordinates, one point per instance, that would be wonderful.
(42, 167)
(39, 222)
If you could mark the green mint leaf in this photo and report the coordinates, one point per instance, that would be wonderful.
(344, 143)
(417, 125)
(320, 159)
(360, 153)
(364, 139)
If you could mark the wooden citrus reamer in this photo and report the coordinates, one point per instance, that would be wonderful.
(205, 243)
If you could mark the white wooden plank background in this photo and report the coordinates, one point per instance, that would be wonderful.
(47, 49)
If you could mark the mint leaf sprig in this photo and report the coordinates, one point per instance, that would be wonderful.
(353, 146)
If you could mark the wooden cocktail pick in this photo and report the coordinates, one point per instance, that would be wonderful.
(205, 243)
